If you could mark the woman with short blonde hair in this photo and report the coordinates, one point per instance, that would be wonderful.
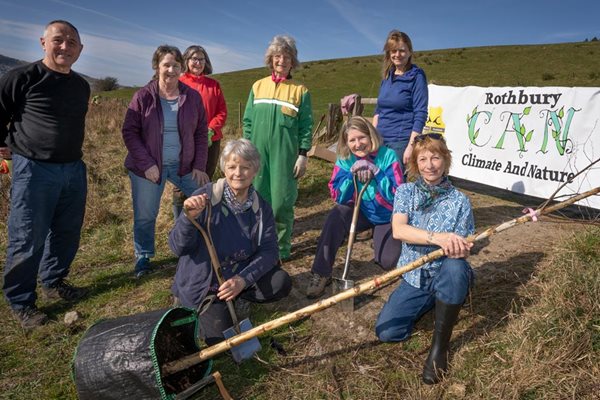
(429, 213)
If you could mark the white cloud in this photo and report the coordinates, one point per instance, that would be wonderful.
(20, 40)
(131, 62)
(116, 47)
(356, 16)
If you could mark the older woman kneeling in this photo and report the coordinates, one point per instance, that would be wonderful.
(243, 231)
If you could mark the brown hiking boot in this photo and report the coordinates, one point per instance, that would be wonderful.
(317, 285)
(30, 317)
(365, 235)
(63, 290)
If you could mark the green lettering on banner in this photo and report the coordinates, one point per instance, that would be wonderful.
(518, 127)
(472, 123)
(560, 130)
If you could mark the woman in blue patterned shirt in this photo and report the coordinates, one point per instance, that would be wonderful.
(429, 213)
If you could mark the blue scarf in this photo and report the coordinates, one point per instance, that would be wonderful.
(430, 193)
(233, 204)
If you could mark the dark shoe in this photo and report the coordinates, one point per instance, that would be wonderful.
(142, 267)
(317, 285)
(30, 317)
(436, 364)
(63, 290)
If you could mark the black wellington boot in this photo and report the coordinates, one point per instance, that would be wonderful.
(436, 364)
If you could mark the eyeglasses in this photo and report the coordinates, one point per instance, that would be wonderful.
(197, 60)
(434, 136)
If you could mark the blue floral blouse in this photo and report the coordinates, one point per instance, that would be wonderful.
(449, 213)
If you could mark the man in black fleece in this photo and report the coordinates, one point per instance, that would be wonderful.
(42, 123)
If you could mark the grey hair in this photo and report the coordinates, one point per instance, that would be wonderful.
(242, 148)
(282, 44)
(63, 22)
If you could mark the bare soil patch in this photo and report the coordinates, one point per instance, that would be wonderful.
(339, 356)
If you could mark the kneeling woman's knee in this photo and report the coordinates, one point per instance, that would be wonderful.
(282, 284)
(390, 334)
(455, 279)
(392, 329)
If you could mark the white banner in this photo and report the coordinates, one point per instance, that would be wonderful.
(525, 139)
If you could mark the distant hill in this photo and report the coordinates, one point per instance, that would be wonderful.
(563, 64)
(8, 63)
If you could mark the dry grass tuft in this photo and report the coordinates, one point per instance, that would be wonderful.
(551, 349)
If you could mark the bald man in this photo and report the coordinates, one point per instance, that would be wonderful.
(42, 122)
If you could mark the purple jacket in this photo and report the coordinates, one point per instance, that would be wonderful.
(143, 127)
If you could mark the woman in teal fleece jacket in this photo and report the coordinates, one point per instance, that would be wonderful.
(360, 152)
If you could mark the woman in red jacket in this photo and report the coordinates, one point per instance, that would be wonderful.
(197, 66)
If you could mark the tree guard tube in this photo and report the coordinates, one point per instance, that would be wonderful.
(122, 357)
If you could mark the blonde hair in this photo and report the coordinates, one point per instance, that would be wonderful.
(394, 38)
(361, 124)
(427, 143)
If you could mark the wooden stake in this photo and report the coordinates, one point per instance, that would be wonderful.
(209, 352)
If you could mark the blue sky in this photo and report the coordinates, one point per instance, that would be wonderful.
(120, 36)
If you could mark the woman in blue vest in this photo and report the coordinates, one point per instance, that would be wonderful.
(243, 232)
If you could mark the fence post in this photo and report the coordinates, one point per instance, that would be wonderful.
(240, 117)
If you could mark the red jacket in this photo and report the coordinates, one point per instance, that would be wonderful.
(213, 100)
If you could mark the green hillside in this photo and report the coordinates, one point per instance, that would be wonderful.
(567, 64)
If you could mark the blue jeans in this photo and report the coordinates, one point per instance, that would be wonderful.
(407, 304)
(399, 147)
(146, 204)
(47, 205)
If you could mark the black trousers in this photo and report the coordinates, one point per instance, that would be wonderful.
(274, 285)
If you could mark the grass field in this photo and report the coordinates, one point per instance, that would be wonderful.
(569, 64)
(534, 333)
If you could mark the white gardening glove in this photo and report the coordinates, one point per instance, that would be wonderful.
(300, 167)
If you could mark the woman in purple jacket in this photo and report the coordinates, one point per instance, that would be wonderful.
(165, 133)
(243, 232)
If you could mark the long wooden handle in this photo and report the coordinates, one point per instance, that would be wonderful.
(214, 259)
(216, 264)
(352, 233)
(224, 393)
(209, 352)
